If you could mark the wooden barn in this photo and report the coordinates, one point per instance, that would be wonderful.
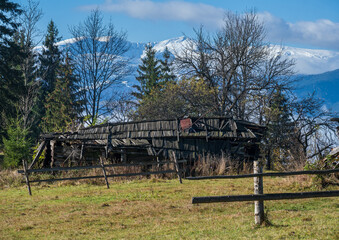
(152, 140)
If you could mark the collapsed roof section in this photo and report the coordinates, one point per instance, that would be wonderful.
(214, 128)
(186, 137)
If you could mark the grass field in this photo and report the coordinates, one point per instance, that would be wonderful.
(162, 209)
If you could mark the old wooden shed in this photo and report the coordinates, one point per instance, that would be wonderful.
(153, 140)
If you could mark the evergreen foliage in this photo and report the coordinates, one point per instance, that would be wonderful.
(10, 79)
(279, 129)
(166, 72)
(62, 105)
(17, 144)
(149, 74)
(50, 58)
(49, 63)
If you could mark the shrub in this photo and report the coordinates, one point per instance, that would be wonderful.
(16, 145)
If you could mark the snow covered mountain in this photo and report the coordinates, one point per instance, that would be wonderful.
(319, 69)
(308, 61)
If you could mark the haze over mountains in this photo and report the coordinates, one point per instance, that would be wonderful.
(318, 69)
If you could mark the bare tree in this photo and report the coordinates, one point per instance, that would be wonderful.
(99, 63)
(121, 107)
(314, 131)
(237, 62)
(26, 37)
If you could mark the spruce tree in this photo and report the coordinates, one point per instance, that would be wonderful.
(49, 63)
(279, 127)
(62, 104)
(149, 74)
(50, 58)
(166, 72)
(10, 55)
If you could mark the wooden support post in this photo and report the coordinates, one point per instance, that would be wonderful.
(258, 189)
(104, 171)
(176, 166)
(24, 164)
(53, 142)
(47, 160)
(38, 153)
(123, 156)
(82, 151)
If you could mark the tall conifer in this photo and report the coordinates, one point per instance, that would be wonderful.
(49, 63)
(10, 79)
(62, 104)
(166, 71)
(50, 58)
(149, 74)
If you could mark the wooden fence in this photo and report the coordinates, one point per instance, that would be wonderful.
(258, 197)
(26, 171)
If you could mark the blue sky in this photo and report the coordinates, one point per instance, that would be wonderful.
(301, 23)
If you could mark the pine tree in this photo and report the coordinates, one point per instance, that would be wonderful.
(166, 72)
(62, 104)
(50, 59)
(10, 55)
(149, 74)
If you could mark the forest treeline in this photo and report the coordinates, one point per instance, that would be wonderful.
(230, 72)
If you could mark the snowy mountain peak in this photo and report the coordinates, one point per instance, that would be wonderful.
(308, 61)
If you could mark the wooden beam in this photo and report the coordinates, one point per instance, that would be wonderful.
(264, 197)
(273, 174)
(104, 171)
(24, 164)
(176, 165)
(38, 153)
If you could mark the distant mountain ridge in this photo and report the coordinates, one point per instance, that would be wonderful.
(318, 69)
(308, 61)
(325, 85)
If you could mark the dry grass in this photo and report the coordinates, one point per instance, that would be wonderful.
(219, 165)
(162, 209)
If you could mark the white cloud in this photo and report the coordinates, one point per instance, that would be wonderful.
(169, 10)
(321, 33)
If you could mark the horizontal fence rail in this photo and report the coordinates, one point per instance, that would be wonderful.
(259, 197)
(97, 166)
(262, 197)
(273, 174)
(102, 176)
(26, 171)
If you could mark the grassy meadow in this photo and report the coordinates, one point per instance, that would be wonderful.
(161, 209)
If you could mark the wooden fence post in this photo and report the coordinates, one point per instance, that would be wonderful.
(24, 164)
(176, 165)
(104, 171)
(258, 189)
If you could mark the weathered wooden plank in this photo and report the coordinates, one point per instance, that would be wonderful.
(176, 165)
(104, 171)
(264, 197)
(38, 153)
(100, 176)
(98, 166)
(273, 174)
(24, 164)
